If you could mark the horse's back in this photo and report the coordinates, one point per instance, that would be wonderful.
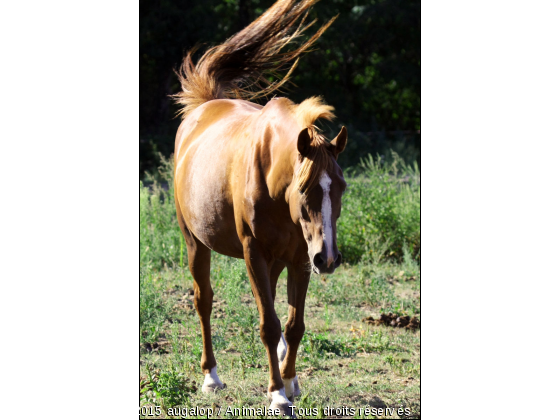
(207, 143)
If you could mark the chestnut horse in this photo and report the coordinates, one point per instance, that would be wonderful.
(257, 182)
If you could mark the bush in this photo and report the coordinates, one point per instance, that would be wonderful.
(380, 211)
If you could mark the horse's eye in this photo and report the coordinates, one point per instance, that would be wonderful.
(304, 214)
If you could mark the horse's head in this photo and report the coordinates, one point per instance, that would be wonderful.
(317, 203)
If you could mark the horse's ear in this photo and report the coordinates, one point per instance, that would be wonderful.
(304, 142)
(339, 142)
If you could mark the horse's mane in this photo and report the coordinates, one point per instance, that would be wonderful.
(239, 68)
(319, 158)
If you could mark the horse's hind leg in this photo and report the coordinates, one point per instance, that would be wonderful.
(199, 264)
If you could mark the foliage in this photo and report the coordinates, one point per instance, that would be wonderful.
(169, 386)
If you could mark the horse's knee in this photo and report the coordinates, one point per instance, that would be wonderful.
(271, 331)
(294, 332)
(203, 294)
(202, 298)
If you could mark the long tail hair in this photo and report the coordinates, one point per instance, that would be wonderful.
(239, 67)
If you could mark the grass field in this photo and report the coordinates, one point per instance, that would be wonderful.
(343, 362)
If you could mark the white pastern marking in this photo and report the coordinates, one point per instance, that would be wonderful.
(288, 386)
(326, 211)
(212, 380)
(282, 349)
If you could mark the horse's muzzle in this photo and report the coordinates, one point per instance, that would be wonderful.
(321, 265)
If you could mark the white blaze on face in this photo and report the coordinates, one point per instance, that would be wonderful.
(326, 211)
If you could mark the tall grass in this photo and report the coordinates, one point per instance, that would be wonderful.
(380, 214)
(380, 210)
(154, 309)
(161, 241)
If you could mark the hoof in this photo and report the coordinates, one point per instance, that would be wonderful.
(285, 410)
(280, 402)
(212, 382)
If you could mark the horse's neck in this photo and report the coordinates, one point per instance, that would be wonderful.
(283, 163)
(278, 149)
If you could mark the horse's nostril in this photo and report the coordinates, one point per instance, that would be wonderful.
(338, 260)
(317, 260)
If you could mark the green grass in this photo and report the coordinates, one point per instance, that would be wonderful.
(381, 211)
(161, 241)
(342, 362)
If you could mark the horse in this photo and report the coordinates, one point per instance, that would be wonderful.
(257, 182)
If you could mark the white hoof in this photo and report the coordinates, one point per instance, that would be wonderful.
(281, 402)
(212, 382)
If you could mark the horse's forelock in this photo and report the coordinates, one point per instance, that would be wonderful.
(318, 160)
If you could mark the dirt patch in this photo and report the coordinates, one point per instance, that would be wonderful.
(311, 370)
(394, 320)
(160, 346)
(375, 402)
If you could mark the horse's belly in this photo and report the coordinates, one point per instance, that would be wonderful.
(204, 199)
(213, 223)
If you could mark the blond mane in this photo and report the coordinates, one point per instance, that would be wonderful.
(311, 110)
(319, 158)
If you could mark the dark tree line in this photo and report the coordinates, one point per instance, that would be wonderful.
(367, 65)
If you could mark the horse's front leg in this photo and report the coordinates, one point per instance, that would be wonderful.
(298, 281)
(259, 266)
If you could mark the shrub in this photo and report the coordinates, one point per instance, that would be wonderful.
(380, 211)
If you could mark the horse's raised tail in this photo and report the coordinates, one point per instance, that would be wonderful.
(239, 67)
